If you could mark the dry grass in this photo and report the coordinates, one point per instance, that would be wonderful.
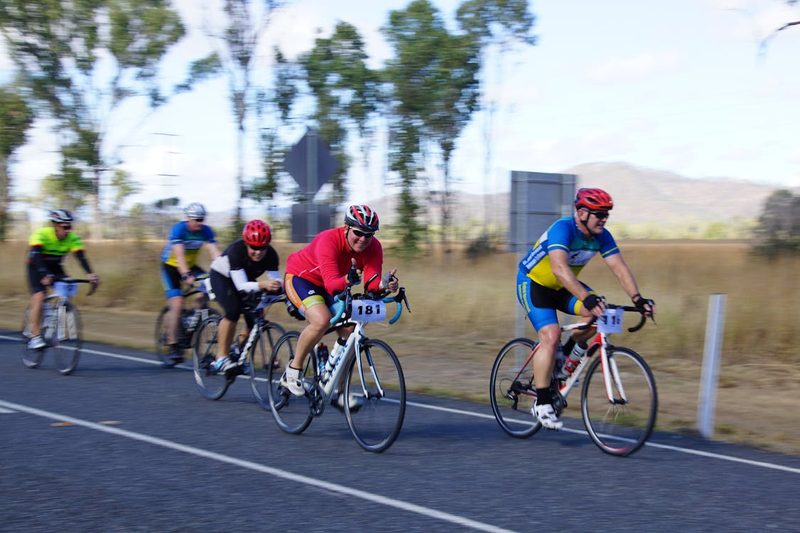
(464, 311)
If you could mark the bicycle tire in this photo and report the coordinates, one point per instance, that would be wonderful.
(162, 348)
(293, 414)
(512, 390)
(378, 419)
(211, 384)
(259, 358)
(620, 428)
(30, 358)
(67, 340)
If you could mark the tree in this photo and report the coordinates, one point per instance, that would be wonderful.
(16, 117)
(82, 59)
(241, 31)
(346, 93)
(434, 94)
(778, 230)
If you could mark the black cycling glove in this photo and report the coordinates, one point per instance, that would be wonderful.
(642, 301)
(591, 301)
(352, 276)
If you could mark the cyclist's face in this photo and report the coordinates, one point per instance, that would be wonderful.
(62, 230)
(358, 243)
(195, 224)
(256, 254)
(595, 220)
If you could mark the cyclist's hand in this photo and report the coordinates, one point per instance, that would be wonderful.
(188, 278)
(94, 279)
(47, 280)
(647, 306)
(389, 281)
(354, 274)
(594, 304)
(271, 285)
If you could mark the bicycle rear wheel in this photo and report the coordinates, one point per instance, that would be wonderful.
(512, 390)
(375, 398)
(620, 426)
(66, 341)
(292, 413)
(162, 348)
(211, 384)
(259, 358)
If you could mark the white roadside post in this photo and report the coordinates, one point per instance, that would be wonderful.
(715, 328)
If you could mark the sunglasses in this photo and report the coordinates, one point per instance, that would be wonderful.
(199, 219)
(257, 248)
(65, 226)
(599, 214)
(365, 234)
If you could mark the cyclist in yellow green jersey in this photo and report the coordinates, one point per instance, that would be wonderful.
(48, 247)
(179, 264)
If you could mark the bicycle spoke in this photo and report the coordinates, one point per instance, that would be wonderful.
(620, 425)
(512, 391)
(211, 384)
(259, 359)
(66, 340)
(291, 413)
(375, 396)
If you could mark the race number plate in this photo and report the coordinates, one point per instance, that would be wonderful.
(611, 321)
(65, 289)
(369, 310)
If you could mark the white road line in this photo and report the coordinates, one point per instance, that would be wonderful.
(305, 480)
(6, 411)
(650, 444)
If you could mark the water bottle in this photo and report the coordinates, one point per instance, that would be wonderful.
(322, 358)
(334, 357)
(575, 357)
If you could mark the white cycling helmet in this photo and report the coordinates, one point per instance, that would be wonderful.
(61, 216)
(195, 211)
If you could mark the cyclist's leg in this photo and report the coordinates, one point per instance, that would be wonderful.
(171, 280)
(38, 292)
(228, 299)
(573, 306)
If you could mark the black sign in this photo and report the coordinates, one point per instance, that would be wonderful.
(310, 162)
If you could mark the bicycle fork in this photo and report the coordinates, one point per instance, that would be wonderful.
(611, 377)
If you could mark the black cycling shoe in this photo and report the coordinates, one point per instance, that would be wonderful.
(174, 358)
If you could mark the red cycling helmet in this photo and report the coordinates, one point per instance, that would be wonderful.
(257, 233)
(594, 200)
(362, 217)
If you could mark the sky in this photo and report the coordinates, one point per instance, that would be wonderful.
(680, 86)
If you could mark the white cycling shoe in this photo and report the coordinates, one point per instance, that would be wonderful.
(291, 380)
(547, 416)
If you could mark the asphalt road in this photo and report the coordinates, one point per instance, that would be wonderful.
(123, 445)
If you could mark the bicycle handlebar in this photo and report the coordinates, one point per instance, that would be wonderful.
(343, 303)
(74, 280)
(627, 308)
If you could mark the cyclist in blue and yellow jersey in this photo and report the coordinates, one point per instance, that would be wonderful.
(48, 248)
(547, 281)
(179, 264)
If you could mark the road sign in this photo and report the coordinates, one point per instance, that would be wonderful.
(310, 163)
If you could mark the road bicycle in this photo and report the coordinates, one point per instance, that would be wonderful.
(60, 328)
(191, 318)
(364, 377)
(253, 359)
(619, 419)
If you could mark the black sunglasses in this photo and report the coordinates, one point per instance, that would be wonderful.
(600, 214)
(65, 226)
(367, 234)
(257, 248)
(199, 219)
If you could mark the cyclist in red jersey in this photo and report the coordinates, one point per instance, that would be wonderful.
(321, 270)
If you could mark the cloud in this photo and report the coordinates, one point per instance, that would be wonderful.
(637, 68)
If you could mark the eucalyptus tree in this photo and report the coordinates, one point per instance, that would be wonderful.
(16, 118)
(83, 59)
(434, 95)
(237, 36)
(346, 93)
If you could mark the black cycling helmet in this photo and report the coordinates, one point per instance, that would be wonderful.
(61, 216)
(362, 217)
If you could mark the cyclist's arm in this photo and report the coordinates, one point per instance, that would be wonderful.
(559, 262)
(35, 256)
(83, 261)
(619, 267)
(179, 252)
(213, 249)
(242, 284)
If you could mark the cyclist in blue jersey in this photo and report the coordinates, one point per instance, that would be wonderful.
(47, 249)
(179, 264)
(547, 282)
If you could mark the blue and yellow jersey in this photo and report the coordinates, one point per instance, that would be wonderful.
(54, 250)
(192, 242)
(563, 234)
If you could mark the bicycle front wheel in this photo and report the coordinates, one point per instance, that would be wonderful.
(620, 425)
(512, 391)
(211, 384)
(375, 396)
(292, 413)
(66, 340)
(259, 358)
